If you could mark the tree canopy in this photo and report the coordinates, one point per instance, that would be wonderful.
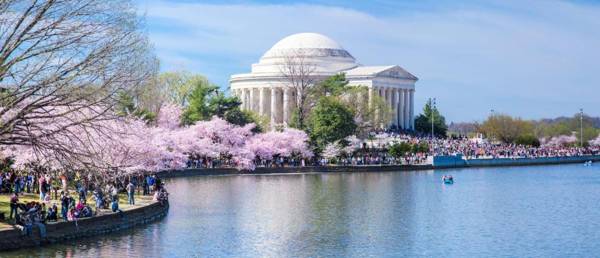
(330, 121)
(506, 128)
(126, 106)
(423, 121)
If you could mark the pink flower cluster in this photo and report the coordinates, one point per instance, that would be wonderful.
(561, 140)
(130, 145)
(595, 142)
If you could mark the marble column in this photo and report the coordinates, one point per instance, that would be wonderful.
(406, 109)
(378, 93)
(261, 101)
(286, 105)
(401, 108)
(387, 98)
(273, 105)
(251, 101)
(370, 97)
(243, 98)
(395, 106)
(412, 109)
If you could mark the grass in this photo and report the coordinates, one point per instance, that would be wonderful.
(140, 200)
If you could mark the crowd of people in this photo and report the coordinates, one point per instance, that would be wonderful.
(72, 202)
(374, 151)
(482, 149)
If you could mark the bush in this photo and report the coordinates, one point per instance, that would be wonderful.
(528, 140)
(399, 149)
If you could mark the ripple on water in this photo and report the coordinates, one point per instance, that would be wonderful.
(548, 211)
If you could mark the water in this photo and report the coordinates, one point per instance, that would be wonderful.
(549, 211)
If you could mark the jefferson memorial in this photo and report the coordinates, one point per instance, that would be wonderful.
(267, 89)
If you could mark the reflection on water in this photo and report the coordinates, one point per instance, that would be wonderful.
(524, 211)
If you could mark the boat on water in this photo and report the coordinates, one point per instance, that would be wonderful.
(448, 179)
(587, 163)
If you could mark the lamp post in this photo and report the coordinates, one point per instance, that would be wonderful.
(432, 102)
(492, 130)
(581, 127)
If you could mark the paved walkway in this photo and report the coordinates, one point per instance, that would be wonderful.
(140, 200)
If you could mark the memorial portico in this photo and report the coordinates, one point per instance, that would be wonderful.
(266, 91)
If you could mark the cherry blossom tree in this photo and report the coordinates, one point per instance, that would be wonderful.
(332, 150)
(286, 143)
(562, 140)
(595, 142)
(354, 144)
(62, 64)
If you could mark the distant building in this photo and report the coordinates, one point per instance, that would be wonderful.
(266, 89)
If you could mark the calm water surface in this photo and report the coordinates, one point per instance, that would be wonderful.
(517, 212)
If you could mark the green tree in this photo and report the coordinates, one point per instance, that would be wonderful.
(243, 117)
(126, 105)
(335, 85)
(506, 128)
(178, 86)
(369, 115)
(206, 101)
(398, 150)
(330, 121)
(548, 128)
(219, 104)
(528, 140)
(198, 107)
(423, 121)
(422, 147)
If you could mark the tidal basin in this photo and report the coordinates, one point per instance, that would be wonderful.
(538, 211)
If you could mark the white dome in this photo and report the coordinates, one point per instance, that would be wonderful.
(327, 55)
(306, 40)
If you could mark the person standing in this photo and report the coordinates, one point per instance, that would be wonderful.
(131, 192)
(99, 198)
(42, 183)
(64, 182)
(64, 201)
(14, 201)
(146, 186)
(17, 184)
(29, 183)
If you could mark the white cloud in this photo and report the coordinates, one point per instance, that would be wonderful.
(531, 59)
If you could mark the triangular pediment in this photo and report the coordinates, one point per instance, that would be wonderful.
(395, 72)
(391, 71)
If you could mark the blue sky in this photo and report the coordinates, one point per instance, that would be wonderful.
(530, 59)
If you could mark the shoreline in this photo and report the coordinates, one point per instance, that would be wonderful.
(447, 162)
(14, 238)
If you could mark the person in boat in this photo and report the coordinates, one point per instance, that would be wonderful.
(447, 178)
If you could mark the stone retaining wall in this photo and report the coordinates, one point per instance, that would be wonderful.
(62, 231)
(458, 161)
(290, 170)
(440, 162)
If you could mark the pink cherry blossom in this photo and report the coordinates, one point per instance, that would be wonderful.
(561, 140)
